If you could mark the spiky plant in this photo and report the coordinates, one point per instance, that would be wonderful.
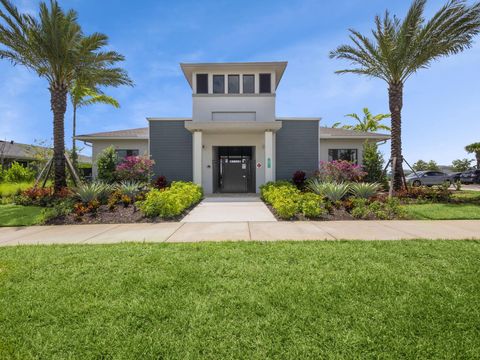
(54, 46)
(364, 190)
(93, 191)
(332, 191)
(129, 188)
(400, 48)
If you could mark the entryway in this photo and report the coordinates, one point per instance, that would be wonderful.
(233, 169)
(230, 208)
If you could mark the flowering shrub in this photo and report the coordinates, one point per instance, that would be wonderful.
(340, 171)
(137, 168)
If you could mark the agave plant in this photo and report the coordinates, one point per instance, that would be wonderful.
(92, 191)
(332, 191)
(129, 188)
(364, 190)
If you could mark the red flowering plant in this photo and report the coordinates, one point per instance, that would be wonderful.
(135, 168)
(340, 171)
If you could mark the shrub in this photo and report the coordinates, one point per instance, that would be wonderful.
(2, 174)
(106, 165)
(364, 190)
(172, 201)
(35, 196)
(95, 191)
(129, 188)
(332, 191)
(299, 178)
(312, 206)
(18, 173)
(434, 193)
(283, 196)
(161, 182)
(373, 163)
(340, 171)
(390, 209)
(60, 208)
(135, 168)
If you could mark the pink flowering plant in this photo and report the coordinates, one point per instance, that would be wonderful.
(340, 171)
(135, 168)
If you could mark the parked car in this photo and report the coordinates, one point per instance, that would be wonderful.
(429, 178)
(470, 177)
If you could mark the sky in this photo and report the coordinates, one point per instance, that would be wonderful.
(441, 104)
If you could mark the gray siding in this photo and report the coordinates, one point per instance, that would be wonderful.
(296, 146)
(171, 148)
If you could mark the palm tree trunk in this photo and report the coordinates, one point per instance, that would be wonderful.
(58, 102)
(395, 96)
(74, 130)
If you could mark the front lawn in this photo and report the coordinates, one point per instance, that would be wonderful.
(439, 211)
(304, 300)
(16, 215)
(9, 189)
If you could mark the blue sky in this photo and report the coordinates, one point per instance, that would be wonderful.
(441, 104)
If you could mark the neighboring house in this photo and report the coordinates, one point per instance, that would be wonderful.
(234, 141)
(24, 154)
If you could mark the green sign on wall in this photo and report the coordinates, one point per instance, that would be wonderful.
(269, 163)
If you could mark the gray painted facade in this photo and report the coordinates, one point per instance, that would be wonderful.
(296, 147)
(171, 148)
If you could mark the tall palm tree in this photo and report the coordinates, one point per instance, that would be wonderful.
(400, 48)
(54, 46)
(369, 122)
(81, 96)
(475, 149)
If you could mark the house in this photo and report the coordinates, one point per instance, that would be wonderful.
(234, 141)
(25, 154)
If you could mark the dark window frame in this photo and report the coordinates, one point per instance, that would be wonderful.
(128, 152)
(231, 76)
(219, 76)
(204, 88)
(265, 87)
(252, 76)
(338, 156)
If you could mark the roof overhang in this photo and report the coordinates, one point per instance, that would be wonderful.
(357, 137)
(92, 138)
(233, 126)
(277, 66)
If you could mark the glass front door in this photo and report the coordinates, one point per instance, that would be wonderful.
(235, 169)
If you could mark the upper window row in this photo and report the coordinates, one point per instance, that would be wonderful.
(233, 84)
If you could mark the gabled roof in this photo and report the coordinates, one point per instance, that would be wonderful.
(138, 133)
(339, 133)
(278, 66)
(18, 151)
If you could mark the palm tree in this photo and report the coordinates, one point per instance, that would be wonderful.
(400, 48)
(369, 122)
(55, 47)
(475, 149)
(81, 96)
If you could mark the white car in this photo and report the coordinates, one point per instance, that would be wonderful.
(429, 178)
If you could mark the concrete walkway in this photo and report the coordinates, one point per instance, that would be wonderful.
(226, 208)
(248, 231)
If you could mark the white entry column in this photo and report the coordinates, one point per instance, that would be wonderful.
(269, 156)
(197, 157)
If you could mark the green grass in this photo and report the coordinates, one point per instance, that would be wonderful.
(16, 215)
(449, 211)
(9, 189)
(304, 300)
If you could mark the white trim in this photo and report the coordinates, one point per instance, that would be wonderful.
(89, 138)
(168, 119)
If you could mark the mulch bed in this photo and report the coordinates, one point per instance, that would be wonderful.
(336, 215)
(119, 215)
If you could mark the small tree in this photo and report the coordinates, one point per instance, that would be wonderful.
(106, 165)
(422, 165)
(474, 149)
(369, 122)
(373, 163)
(461, 165)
